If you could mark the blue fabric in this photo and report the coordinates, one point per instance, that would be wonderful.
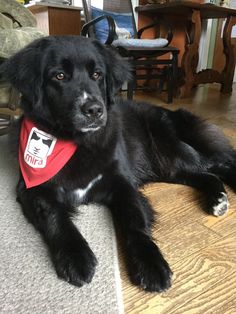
(123, 20)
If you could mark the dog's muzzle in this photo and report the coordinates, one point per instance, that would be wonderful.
(90, 114)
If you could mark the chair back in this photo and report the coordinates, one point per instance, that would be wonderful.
(118, 9)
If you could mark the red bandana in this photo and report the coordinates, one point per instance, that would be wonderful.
(41, 155)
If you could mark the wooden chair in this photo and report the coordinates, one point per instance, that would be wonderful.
(115, 26)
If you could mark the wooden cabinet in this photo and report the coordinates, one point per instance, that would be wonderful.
(57, 19)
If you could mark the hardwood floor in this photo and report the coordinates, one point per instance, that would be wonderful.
(201, 249)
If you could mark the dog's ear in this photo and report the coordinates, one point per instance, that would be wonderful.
(118, 69)
(23, 71)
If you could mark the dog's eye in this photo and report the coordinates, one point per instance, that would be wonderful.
(60, 76)
(96, 75)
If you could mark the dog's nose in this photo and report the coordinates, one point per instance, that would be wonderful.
(92, 110)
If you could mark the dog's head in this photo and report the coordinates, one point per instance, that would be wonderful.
(67, 82)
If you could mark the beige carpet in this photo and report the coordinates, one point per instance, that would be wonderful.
(28, 282)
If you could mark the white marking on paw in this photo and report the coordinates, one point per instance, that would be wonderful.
(222, 207)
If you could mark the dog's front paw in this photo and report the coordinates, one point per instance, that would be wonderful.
(220, 205)
(148, 269)
(77, 266)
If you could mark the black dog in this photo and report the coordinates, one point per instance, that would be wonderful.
(68, 86)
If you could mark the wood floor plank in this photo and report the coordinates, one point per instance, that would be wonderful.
(218, 300)
(196, 237)
(213, 281)
(224, 226)
(172, 200)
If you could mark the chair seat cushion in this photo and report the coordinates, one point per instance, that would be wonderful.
(140, 43)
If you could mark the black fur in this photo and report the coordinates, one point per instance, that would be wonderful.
(121, 146)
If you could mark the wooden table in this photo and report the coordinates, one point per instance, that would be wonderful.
(57, 19)
(193, 14)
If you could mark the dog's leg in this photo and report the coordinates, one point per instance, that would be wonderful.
(227, 173)
(211, 186)
(133, 214)
(229, 177)
(73, 259)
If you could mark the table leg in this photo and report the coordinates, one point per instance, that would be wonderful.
(190, 57)
(228, 72)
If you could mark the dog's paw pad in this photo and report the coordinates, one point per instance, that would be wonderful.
(222, 205)
(148, 268)
(76, 268)
(152, 277)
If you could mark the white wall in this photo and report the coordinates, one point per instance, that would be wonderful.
(77, 3)
(204, 44)
(99, 3)
(233, 4)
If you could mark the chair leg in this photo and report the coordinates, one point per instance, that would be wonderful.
(170, 84)
(172, 76)
(175, 68)
(130, 90)
(5, 123)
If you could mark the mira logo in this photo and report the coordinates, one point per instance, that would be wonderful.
(39, 146)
